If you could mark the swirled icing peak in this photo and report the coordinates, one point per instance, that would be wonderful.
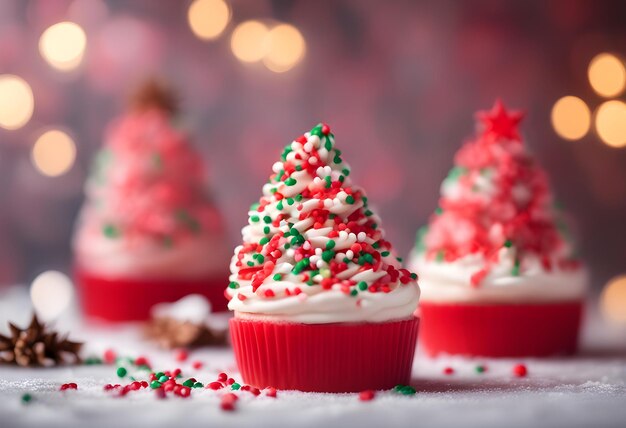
(313, 251)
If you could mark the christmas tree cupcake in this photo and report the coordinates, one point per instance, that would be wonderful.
(498, 274)
(147, 232)
(321, 302)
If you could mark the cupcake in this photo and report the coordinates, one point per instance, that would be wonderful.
(147, 232)
(320, 300)
(497, 268)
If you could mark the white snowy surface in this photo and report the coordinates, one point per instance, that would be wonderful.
(584, 391)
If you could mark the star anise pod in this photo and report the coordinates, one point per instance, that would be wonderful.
(37, 346)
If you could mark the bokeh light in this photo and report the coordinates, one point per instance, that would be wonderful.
(249, 41)
(613, 300)
(208, 18)
(16, 102)
(285, 48)
(51, 294)
(63, 45)
(607, 75)
(54, 153)
(571, 118)
(611, 123)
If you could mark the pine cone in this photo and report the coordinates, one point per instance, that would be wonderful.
(35, 346)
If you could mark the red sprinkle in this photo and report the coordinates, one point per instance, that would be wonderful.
(270, 392)
(222, 377)
(160, 393)
(197, 365)
(181, 355)
(65, 386)
(141, 361)
(448, 371)
(367, 395)
(520, 370)
(109, 356)
(215, 386)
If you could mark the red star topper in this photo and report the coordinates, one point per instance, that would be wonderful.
(500, 123)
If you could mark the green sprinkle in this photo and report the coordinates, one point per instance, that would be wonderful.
(198, 385)
(508, 243)
(350, 199)
(290, 201)
(121, 372)
(158, 374)
(364, 199)
(164, 378)
(254, 218)
(27, 398)
(328, 255)
(330, 245)
(189, 383)
(376, 245)
(254, 206)
(384, 253)
(110, 231)
(353, 292)
(404, 389)
(328, 181)
(301, 265)
(155, 384)
(337, 159)
(287, 246)
(280, 205)
(234, 285)
(440, 256)
(413, 276)
(374, 226)
(267, 219)
(515, 270)
(399, 259)
(480, 369)
(264, 240)
(277, 277)
(298, 167)
(368, 213)
(287, 150)
(345, 172)
(250, 263)
(438, 211)
(235, 386)
(362, 285)
(290, 181)
(317, 130)
(328, 145)
(298, 197)
(266, 230)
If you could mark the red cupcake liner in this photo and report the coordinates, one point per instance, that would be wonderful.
(124, 299)
(324, 357)
(500, 330)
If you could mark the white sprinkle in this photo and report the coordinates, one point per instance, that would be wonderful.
(361, 236)
(320, 264)
(308, 146)
(344, 235)
(306, 245)
(290, 253)
(314, 259)
(277, 167)
(318, 251)
(339, 257)
(350, 254)
(312, 160)
(328, 203)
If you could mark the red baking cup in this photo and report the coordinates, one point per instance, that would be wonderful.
(324, 357)
(500, 330)
(125, 299)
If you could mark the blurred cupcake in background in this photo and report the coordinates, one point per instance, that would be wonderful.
(498, 272)
(148, 232)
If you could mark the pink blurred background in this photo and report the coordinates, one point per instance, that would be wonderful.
(398, 82)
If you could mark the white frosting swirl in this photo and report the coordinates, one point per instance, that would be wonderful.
(450, 281)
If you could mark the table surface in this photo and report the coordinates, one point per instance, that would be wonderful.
(582, 391)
